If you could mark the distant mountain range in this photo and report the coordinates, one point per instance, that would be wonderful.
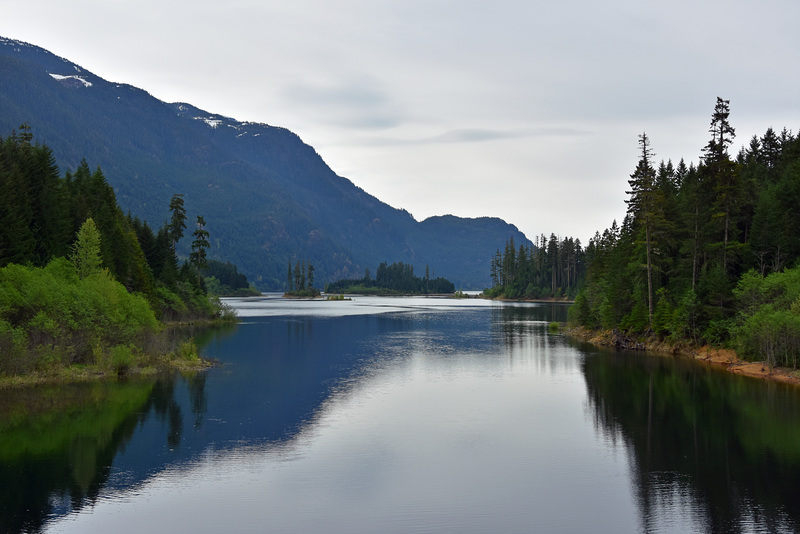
(267, 197)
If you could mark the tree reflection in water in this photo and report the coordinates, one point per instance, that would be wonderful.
(724, 449)
(58, 442)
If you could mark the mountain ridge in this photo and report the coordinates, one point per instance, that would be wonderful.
(268, 198)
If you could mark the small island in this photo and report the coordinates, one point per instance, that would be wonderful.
(300, 281)
(395, 279)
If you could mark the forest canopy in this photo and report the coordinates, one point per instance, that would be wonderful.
(708, 252)
(552, 268)
(397, 278)
(81, 282)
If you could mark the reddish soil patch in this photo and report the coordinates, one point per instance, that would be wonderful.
(729, 359)
(722, 357)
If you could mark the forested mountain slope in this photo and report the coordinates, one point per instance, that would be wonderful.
(268, 198)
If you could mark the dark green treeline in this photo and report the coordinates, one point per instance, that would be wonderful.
(41, 213)
(704, 249)
(398, 277)
(550, 268)
(81, 282)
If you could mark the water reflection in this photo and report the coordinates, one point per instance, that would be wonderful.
(393, 422)
(57, 443)
(470, 413)
(277, 373)
(724, 450)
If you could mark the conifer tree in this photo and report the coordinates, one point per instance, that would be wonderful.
(495, 266)
(17, 239)
(722, 133)
(770, 150)
(723, 177)
(177, 221)
(200, 245)
(86, 250)
(645, 205)
(165, 264)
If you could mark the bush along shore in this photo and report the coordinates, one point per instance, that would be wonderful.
(721, 357)
(57, 326)
(86, 291)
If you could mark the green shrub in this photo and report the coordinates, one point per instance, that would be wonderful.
(662, 317)
(50, 310)
(47, 359)
(637, 320)
(171, 305)
(122, 358)
(493, 292)
(685, 317)
(768, 324)
(187, 350)
(581, 313)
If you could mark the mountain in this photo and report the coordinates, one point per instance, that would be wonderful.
(267, 197)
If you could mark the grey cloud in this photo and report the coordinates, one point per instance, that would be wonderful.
(455, 90)
(472, 135)
(350, 104)
(478, 135)
(343, 94)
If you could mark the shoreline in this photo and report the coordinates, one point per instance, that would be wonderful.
(551, 300)
(184, 358)
(93, 373)
(723, 358)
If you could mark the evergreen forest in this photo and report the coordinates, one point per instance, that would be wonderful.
(707, 253)
(224, 279)
(80, 281)
(397, 278)
(551, 268)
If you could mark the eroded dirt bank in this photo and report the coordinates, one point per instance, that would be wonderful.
(722, 357)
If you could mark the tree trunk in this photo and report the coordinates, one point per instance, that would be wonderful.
(649, 277)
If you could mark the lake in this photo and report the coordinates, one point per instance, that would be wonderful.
(405, 414)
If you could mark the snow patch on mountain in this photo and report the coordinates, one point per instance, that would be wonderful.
(210, 121)
(62, 78)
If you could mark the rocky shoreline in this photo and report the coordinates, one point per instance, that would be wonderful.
(725, 358)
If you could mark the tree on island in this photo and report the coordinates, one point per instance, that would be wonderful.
(300, 281)
(397, 278)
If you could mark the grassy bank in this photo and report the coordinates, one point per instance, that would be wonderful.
(117, 363)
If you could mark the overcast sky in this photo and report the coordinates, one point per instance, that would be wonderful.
(525, 110)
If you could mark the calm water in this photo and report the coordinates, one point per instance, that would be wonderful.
(405, 415)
